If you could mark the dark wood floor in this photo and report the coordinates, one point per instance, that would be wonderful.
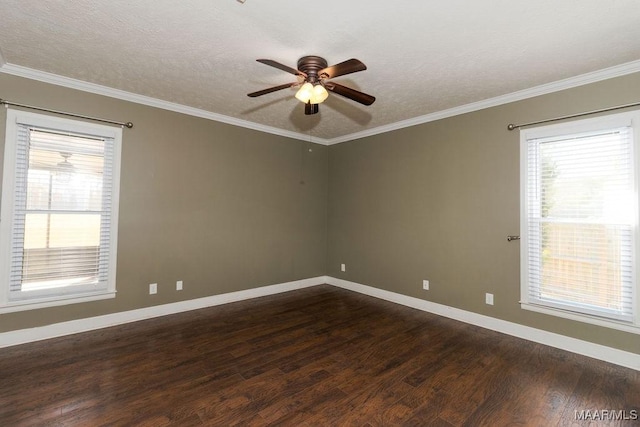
(318, 356)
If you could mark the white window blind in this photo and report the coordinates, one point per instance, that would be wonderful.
(62, 232)
(580, 222)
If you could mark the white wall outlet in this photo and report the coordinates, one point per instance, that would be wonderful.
(488, 299)
(179, 285)
(153, 288)
(425, 285)
(343, 267)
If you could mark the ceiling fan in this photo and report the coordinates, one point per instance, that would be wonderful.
(314, 79)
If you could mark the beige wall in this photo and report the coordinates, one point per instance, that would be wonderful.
(436, 201)
(220, 207)
(223, 209)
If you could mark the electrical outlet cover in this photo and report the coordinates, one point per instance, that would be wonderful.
(489, 299)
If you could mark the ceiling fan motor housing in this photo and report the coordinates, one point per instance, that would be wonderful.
(310, 65)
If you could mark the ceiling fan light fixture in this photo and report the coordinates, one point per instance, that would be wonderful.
(64, 169)
(319, 94)
(65, 165)
(305, 93)
(313, 94)
(312, 74)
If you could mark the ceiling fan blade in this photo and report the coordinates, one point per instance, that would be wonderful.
(282, 67)
(347, 67)
(352, 94)
(272, 89)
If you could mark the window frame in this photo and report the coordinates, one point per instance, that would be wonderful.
(15, 119)
(609, 121)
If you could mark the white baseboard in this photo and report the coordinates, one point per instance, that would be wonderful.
(24, 336)
(585, 348)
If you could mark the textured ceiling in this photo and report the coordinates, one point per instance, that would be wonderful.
(422, 56)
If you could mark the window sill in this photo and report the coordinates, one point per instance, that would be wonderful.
(612, 324)
(57, 301)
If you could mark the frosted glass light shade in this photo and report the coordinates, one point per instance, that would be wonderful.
(313, 94)
(319, 94)
(305, 93)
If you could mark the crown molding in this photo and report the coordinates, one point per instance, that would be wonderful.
(568, 83)
(45, 77)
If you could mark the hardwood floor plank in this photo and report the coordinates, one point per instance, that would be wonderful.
(604, 387)
(316, 356)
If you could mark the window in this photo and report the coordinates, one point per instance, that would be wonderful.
(59, 211)
(579, 220)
